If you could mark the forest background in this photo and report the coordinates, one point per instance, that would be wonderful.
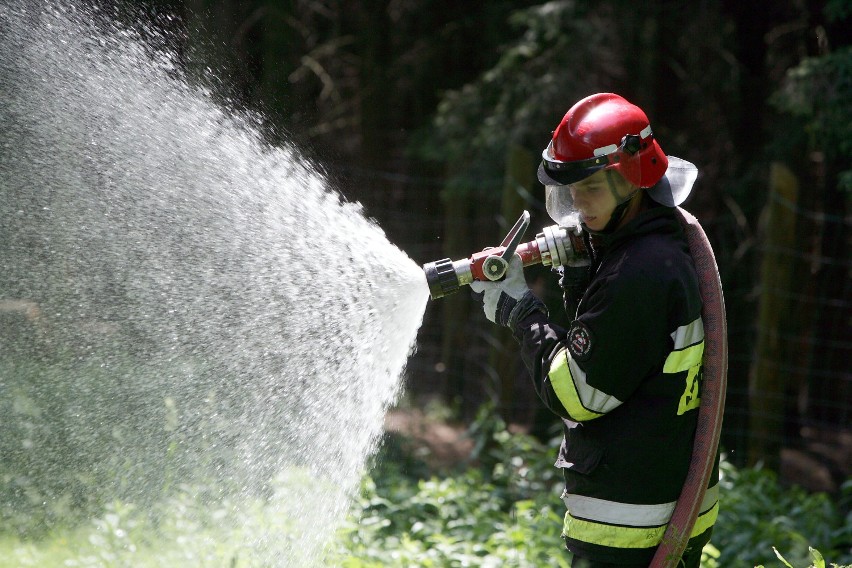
(433, 114)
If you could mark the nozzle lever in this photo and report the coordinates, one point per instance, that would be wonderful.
(495, 266)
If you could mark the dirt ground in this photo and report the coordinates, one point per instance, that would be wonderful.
(823, 463)
(438, 444)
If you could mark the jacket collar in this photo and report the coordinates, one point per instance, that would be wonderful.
(657, 219)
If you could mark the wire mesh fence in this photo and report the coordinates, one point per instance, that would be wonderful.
(799, 423)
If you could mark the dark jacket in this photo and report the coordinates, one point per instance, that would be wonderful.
(625, 379)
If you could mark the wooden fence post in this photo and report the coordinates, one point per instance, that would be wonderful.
(767, 380)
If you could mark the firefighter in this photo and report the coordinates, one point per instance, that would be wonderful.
(625, 376)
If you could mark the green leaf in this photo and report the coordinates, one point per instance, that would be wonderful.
(781, 558)
(819, 561)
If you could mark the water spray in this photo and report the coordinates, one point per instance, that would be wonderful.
(168, 335)
(554, 246)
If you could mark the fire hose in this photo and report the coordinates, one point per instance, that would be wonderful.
(715, 379)
(560, 246)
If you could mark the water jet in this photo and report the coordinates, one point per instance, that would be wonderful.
(198, 331)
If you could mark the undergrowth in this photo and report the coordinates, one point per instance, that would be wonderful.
(500, 508)
(503, 509)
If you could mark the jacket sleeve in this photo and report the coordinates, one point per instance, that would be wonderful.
(591, 368)
(539, 339)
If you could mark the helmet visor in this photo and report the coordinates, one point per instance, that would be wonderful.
(556, 172)
(623, 156)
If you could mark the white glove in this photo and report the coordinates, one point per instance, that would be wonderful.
(507, 301)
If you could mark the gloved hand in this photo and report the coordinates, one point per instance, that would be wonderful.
(510, 300)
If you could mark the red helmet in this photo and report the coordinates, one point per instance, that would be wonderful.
(603, 131)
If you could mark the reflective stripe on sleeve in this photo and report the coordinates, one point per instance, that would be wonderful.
(581, 401)
(688, 334)
(684, 360)
(687, 356)
(688, 347)
(625, 525)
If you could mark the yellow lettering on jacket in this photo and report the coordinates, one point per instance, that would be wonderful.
(690, 398)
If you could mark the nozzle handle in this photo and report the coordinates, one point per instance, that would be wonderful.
(515, 234)
(495, 266)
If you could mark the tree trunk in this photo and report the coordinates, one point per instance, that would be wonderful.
(767, 381)
(504, 356)
(455, 308)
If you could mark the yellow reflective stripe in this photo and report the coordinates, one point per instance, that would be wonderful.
(705, 520)
(563, 385)
(687, 356)
(688, 347)
(683, 360)
(629, 537)
(581, 400)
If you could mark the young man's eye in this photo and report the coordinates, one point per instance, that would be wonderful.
(586, 188)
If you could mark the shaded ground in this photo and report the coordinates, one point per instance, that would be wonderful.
(436, 443)
(822, 463)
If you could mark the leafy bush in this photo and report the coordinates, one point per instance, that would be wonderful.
(506, 511)
(195, 526)
(80, 432)
(500, 509)
(817, 92)
(758, 514)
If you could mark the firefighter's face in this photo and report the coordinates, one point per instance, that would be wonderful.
(597, 196)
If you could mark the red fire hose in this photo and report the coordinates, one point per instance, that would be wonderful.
(712, 397)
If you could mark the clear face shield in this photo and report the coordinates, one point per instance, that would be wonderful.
(560, 205)
(671, 190)
(559, 177)
(603, 187)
